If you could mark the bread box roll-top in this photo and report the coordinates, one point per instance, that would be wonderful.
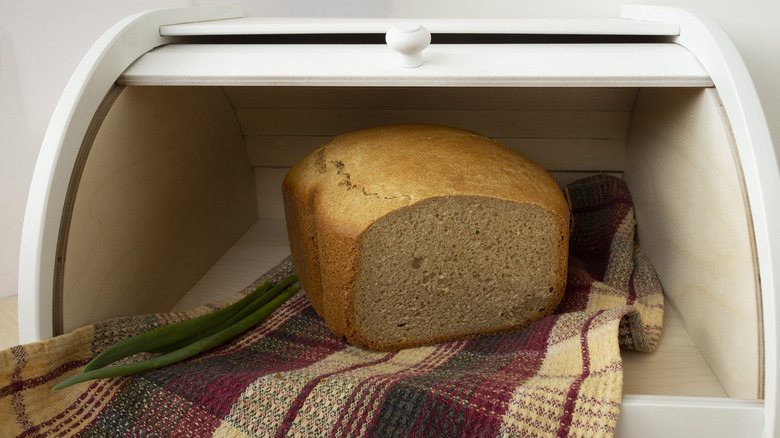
(158, 184)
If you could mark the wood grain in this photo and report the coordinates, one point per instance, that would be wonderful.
(563, 129)
(436, 98)
(165, 191)
(693, 222)
(9, 322)
(493, 123)
(261, 248)
(676, 367)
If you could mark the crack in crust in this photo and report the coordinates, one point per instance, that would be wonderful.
(347, 181)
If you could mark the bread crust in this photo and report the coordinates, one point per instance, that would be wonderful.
(334, 194)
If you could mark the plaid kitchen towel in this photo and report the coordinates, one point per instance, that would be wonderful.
(290, 376)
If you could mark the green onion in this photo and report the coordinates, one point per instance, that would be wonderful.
(188, 351)
(247, 310)
(169, 334)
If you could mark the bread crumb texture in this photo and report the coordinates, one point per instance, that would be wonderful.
(446, 234)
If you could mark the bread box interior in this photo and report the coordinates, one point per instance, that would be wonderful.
(178, 201)
(174, 198)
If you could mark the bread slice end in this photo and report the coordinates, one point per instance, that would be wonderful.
(456, 267)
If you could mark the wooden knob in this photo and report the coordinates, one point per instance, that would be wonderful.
(408, 40)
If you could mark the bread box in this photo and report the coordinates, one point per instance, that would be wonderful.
(157, 186)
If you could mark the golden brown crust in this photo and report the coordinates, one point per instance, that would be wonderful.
(336, 192)
(302, 232)
(338, 279)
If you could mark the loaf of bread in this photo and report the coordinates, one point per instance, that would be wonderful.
(409, 235)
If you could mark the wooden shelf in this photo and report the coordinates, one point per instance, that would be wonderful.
(261, 248)
(676, 368)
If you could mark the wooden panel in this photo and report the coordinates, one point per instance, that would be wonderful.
(9, 322)
(281, 150)
(527, 124)
(442, 98)
(693, 223)
(166, 189)
(552, 154)
(676, 367)
(591, 155)
(261, 248)
(670, 416)
(269, 191)
(572, 129)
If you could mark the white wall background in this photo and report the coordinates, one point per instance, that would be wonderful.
(42, 41)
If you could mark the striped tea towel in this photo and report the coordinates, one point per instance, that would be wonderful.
(291, 377)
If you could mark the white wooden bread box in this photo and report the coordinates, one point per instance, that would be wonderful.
(157, 185)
